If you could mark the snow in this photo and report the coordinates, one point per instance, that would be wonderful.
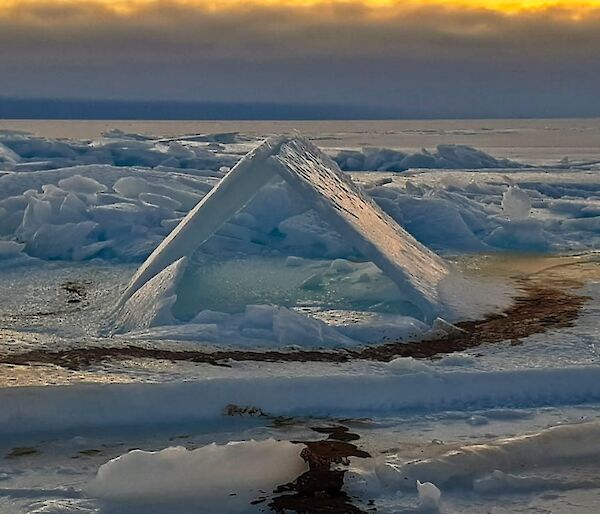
(219, 478)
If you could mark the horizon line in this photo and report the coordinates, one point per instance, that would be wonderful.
(82, 109)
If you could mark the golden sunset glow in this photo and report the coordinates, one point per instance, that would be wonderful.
(566, 8)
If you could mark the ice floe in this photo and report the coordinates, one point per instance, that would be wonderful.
(217, 478)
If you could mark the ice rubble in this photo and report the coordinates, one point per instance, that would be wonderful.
(148, 314)
(445, 156)
(87, 211)
(220, 478)
(21, 151)
(26, 152)
(58, 202)
(429, 496)
(140, 187)
(7, 156)
(516, 203)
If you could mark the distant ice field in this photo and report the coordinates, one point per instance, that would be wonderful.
(527, 139)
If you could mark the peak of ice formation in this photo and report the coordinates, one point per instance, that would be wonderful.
(117, 198)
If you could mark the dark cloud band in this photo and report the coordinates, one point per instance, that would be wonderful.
(423, 60)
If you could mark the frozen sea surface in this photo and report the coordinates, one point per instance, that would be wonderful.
(540, 140)
(78, 213)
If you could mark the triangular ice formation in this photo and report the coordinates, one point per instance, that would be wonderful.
(416, 270)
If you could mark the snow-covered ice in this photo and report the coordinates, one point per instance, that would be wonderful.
(499, 428)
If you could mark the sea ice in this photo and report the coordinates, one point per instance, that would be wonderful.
(445, 156)
(151, 305)
(448, 210)
(7, 156)
(516, 203)
(219, 478)
(324, 391)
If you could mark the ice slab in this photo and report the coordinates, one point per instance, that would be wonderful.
(220, 478)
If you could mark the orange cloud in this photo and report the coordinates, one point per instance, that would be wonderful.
(376, 8)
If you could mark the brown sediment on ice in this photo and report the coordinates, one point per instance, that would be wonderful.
(536, 310)
(540, 306)
(320, 489)
(22, 451)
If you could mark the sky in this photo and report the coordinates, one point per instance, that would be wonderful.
(374, 58)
